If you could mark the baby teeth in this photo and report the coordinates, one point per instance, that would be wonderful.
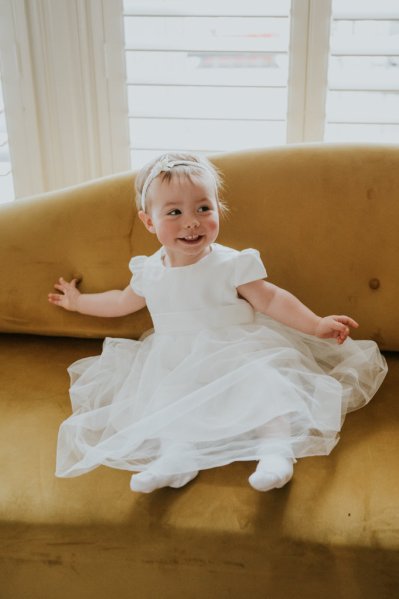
(192, 237)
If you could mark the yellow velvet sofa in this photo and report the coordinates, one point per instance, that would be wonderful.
(326, 221)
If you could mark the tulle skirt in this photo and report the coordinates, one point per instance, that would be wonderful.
(191, 401)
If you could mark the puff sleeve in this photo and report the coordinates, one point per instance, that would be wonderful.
(248, 267)
(136, 267)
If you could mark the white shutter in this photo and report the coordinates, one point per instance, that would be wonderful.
(206, 76)
(6, 181)
(64, 91)
(202, 75)
(363, 78)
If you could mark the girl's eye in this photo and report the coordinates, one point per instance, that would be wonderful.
(174, 212)
(203, 208)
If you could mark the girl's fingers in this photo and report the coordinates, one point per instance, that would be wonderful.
(348, 320)
(337, 327)
(340, 327)
(62, 285)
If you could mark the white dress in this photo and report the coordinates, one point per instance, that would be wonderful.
(214, 383)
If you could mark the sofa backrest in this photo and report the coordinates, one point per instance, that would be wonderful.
(324, 217)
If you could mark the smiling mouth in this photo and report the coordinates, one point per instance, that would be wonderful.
(191, 238)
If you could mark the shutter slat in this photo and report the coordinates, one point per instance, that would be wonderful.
(197, 81)
(207, 8)
(363, 83)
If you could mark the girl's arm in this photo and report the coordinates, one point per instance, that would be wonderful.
(286, 308)
(109, 303)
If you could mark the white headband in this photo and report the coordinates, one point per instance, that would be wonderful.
(165, 165)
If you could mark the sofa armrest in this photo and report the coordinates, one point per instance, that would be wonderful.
(85, 231)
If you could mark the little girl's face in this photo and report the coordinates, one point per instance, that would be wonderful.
(184, 215)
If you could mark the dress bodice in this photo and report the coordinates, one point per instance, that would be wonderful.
(200, 294)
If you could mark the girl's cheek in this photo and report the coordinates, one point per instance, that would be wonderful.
(214, 225)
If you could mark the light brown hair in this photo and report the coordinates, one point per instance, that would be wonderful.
(179, 170)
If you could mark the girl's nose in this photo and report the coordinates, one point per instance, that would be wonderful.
(191, 222)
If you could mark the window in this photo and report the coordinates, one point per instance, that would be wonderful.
(6, 180)
(363, 79)
(206, 76)
(94, 87)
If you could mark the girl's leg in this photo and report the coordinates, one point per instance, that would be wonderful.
(274, 469)
(146, 482)
(155, 477)
(272, 472)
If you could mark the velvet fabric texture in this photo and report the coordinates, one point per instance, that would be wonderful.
(325, 220)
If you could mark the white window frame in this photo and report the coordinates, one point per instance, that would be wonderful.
(19, 100)
(66, 96)
(63, 84)
(307, 81)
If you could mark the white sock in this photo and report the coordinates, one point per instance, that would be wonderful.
(272, 472)
(146, 482)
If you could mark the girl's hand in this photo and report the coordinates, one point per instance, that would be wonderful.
(69, 296)
(336, 327)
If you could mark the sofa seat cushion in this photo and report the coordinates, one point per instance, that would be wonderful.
(338, 518)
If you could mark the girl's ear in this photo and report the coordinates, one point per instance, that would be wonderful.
(147, 220)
